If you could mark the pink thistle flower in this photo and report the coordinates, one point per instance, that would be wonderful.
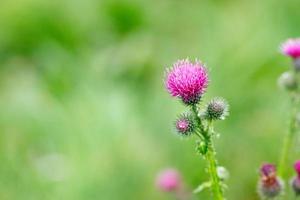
(187, 81)
(291, 48)
(268, 170)
(169, 180)
(296, 185)
(269, 185)
(296, 180)
(297, 167)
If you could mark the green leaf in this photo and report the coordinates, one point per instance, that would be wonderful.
(202, 186)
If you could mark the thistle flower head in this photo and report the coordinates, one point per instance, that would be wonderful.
(269, 185)
(296, 185)
(217, 109)
(184, 124)
(288, 81)
(268, 170)
(187, 80)
(295, 182)
(169, 180)
(291, 48)
(297, 167)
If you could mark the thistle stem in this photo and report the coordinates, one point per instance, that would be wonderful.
(206, 135)
(288, 140)
(212, 169)
(198, 119)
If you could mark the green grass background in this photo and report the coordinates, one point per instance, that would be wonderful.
(83, 110)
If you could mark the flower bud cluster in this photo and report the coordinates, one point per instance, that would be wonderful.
(270, 186)
(289, 81)
(188, 82)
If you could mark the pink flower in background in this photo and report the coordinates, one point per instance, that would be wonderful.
(291, 48)
(296, 180)
(268, 170)
(297, 167)
(169, 180)
(187, 81)
(269, 185)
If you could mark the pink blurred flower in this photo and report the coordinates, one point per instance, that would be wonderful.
(269, 185)
(268, 170)
(169, 180)
(296, 180)
(291, 48)
(187, 81)
(297, 166)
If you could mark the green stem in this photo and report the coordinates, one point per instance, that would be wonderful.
(288, 140)
(198, 119)
(206, 135)
(212, 169)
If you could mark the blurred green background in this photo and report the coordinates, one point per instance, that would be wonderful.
(83, 110)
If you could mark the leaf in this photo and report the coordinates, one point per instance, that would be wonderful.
(203, 186)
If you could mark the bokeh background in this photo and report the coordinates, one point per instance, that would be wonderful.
(83, 110)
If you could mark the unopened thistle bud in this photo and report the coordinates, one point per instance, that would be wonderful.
(288, 81)
(296, 179)
(216, 109)
(184, 124)
(187, 81)
(270, 185)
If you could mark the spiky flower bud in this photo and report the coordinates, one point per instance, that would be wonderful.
(291, 48)
(184, 124)
(270, 185)
(288, 81)
(216, 109)
(296, 180)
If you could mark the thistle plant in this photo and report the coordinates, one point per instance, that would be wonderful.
(290, 82)
(188, 81)
(271, 185)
